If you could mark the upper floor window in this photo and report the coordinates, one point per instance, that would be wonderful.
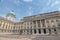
(58, 22)
(53, 24)
(48, 24)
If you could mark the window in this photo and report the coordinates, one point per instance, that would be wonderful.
(39, 31)
(44, 31)
(58, 23)
(35, 31)
(49, 30)
(48, 24)
(55, 31)
(53, 24)
(31, 31)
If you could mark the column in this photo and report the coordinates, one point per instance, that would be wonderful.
(51, 26)
(41, 27)
(5, 27)
(32, 28)
(46, 27)
(23, 29)
(37, 27)
(12, 27)
(29, 27)
(8, 27)
(56, 26)
(2, 27)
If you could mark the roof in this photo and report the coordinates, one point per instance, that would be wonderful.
(11, 14)
(42, 14)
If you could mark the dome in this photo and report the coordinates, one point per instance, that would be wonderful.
(11, 14)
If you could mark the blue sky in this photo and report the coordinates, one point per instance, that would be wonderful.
(23, 8)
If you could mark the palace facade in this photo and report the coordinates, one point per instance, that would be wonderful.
(41, 24)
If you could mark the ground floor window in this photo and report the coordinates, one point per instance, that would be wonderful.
(35, 31)
(31, 31)
(49, 31)
(55, 31)
(39, 31)
(44, 31)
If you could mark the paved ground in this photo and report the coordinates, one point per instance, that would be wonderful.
(29, 37)
(1, 38)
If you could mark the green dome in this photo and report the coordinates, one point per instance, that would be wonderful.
(11, 14)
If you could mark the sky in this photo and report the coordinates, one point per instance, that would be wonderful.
(24, 8)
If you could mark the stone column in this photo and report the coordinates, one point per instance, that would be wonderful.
(29, 27)
(46, 27)
(37, 27)
(8, 27)
(41, 28)
(26, 28)
(56, 26)
(52, 31)
(5, 27)
(23, 29)
(32, 28)
(50, 27)
(2, 27)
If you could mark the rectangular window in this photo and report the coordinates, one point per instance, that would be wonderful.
(35, 31)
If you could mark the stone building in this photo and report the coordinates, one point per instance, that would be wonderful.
(41, 24)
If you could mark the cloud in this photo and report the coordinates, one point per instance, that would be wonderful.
(30, 8)
(29, 11)
(49, 1)
(28, 0)
(17, 2)
(55, 3)
(58, 9)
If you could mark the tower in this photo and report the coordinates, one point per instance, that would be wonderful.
(11, 16)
